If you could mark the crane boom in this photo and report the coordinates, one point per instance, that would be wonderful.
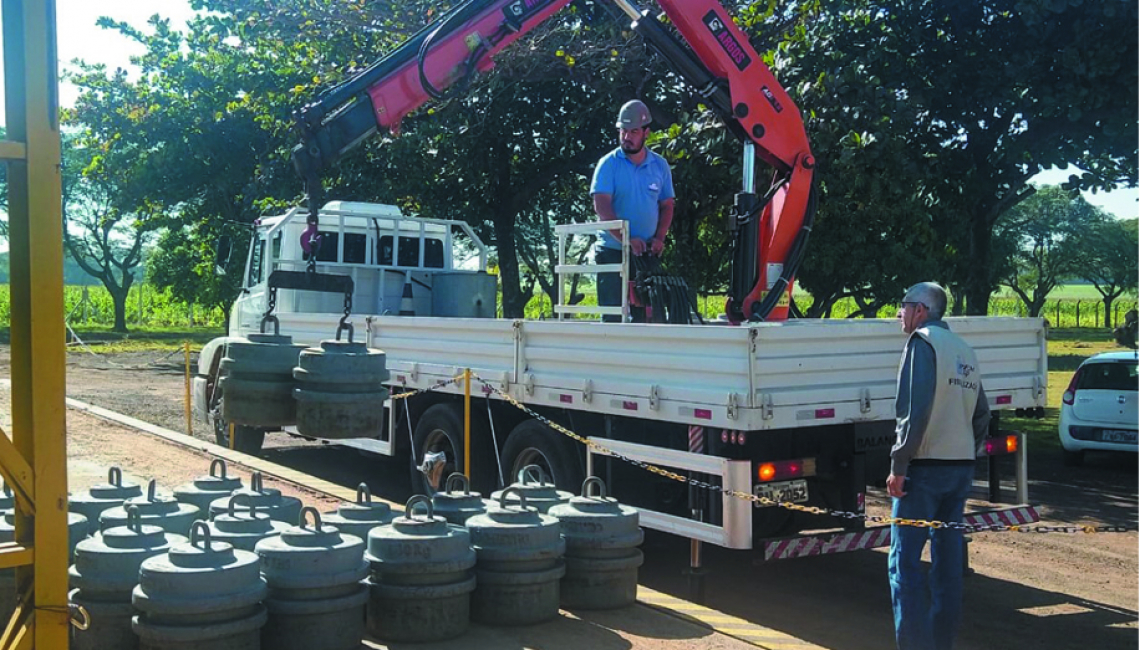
(769, 232)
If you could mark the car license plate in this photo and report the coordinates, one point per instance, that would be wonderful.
(782, 492)
(1116, 435)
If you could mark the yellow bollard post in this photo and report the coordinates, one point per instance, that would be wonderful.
(189, 420)
(233, 444)
(467, 424)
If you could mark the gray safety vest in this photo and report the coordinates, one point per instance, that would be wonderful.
(950, 433)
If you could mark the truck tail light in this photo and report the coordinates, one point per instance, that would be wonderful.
(1071, 392)
(785, 469)
(730, 437)
(1001, 445)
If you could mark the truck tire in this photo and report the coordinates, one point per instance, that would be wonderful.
(534, 443)
(247, 439)
(440, 429)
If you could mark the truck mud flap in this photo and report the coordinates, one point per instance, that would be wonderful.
(879, 536)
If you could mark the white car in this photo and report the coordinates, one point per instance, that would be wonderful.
(1099, 408)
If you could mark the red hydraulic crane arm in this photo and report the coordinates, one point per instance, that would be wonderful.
(455, 51)
(715, 58)
(769, 232)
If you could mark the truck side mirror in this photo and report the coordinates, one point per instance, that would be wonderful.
(223, 248)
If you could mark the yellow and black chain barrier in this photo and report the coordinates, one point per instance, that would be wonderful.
(763, 501)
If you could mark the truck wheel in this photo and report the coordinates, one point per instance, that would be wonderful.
(534, 443)
(247, 439)
(440, 429)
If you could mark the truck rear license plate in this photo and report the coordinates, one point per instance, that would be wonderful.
(782, 492)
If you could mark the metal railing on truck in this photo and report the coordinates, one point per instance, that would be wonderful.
(735, 477)
(563, 270)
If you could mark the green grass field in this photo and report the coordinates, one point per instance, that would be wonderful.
(1066, 292)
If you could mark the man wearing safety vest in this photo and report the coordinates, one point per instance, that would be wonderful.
(941, 417)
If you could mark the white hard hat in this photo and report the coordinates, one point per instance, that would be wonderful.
(634, 115)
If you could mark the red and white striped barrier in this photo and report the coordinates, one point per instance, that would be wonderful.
(1011, 517)
(827, 543)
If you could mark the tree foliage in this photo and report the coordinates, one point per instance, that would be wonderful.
(952, 107)
(1108, 260)
(103, 238)
(927, 119)
(1045, 233)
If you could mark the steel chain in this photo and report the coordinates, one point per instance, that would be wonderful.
(764, 501)
(416, 391)
(271, 303)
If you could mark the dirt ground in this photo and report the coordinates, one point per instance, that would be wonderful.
(1028, 590)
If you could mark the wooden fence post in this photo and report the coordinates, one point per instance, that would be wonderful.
(1078, 313)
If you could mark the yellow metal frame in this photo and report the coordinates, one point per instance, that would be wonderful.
(34, 462)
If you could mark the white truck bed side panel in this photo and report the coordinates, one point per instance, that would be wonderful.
(829, 371)
(433, 349)
(645, 370)
(763, 376)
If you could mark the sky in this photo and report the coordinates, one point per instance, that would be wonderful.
(80, 38)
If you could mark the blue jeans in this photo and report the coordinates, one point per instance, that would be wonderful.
(928, 608)
(609, 287)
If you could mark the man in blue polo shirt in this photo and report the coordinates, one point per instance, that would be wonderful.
(635, 184)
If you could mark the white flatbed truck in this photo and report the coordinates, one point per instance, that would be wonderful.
(806, 404)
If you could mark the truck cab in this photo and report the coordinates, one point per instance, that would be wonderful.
(442, 264)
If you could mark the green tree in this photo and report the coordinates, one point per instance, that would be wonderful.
(960, 104)
(508, 152)
(105, 240)
(1108, 260)
(197, 141)
(1044, 231)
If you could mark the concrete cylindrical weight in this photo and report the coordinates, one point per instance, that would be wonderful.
(601, 555)
(102, 497)
(457, 503)
(340, 390)
(421, 579)
(540, 493)
(105, 572)
(267, 500)
(156, 510)
(204, 490)
(361, 516)
(257, 380)
(244, 527)
(519, 565)
(201, 594)
(316, 598)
